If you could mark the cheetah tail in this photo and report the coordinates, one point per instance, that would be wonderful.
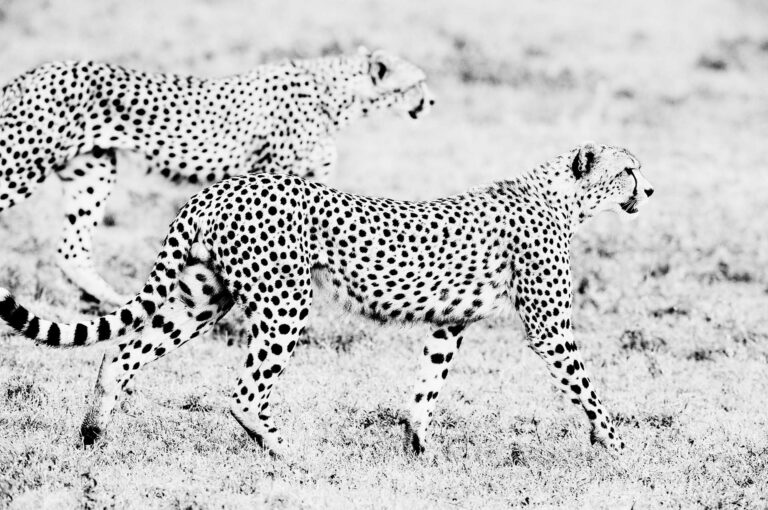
(130, 317)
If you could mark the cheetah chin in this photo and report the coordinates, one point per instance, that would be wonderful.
(630, 206)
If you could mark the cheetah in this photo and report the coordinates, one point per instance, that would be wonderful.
(72, 119)
(266, 242)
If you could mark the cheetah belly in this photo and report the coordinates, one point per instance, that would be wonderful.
(446, 305)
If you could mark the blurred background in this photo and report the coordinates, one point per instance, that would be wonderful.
(672, 309)
(682, 84)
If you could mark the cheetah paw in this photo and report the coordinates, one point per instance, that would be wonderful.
(613, 444)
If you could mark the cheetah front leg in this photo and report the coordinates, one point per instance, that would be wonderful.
(277, 320)
(543, 300)
(88, 180)
(566, 366)
(272, 342)
(439, 352)
(110, 383)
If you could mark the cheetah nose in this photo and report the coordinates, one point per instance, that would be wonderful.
(649, 192)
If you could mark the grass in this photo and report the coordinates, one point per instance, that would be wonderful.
(670, 309)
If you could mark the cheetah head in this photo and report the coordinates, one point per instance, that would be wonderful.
(392, 82)
(609, 179)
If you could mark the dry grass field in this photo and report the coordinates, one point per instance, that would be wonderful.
(671, 310)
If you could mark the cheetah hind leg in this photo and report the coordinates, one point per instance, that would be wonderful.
(110, 383)
(273, 338)
(88, 181)
(196, 304)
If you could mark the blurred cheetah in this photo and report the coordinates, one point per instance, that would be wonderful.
(71, 118)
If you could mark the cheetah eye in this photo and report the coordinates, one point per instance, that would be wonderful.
(628, 170)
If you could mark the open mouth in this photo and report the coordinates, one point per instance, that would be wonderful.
(414, 113)
(630, 206)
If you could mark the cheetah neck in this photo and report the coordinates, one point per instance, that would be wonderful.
(335, 77)
(552, 186)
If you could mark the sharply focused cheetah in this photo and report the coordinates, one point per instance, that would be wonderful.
(260, 241)
(71, 118)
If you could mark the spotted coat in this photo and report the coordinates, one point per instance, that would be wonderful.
(72, 118)
(261, 241)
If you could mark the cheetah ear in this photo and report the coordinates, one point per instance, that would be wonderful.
(363, 51)
(584, 161)
(378, 66)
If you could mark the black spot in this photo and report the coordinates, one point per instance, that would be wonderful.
(204, 316)
(18, 318)
(104, 330)
(7, 306)
(455, 330)
(33, 328)
(126, 316)
(184, 287)
(54, 335)
(81, 334)
(149, 306)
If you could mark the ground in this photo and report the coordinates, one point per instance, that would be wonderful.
(670, 309)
